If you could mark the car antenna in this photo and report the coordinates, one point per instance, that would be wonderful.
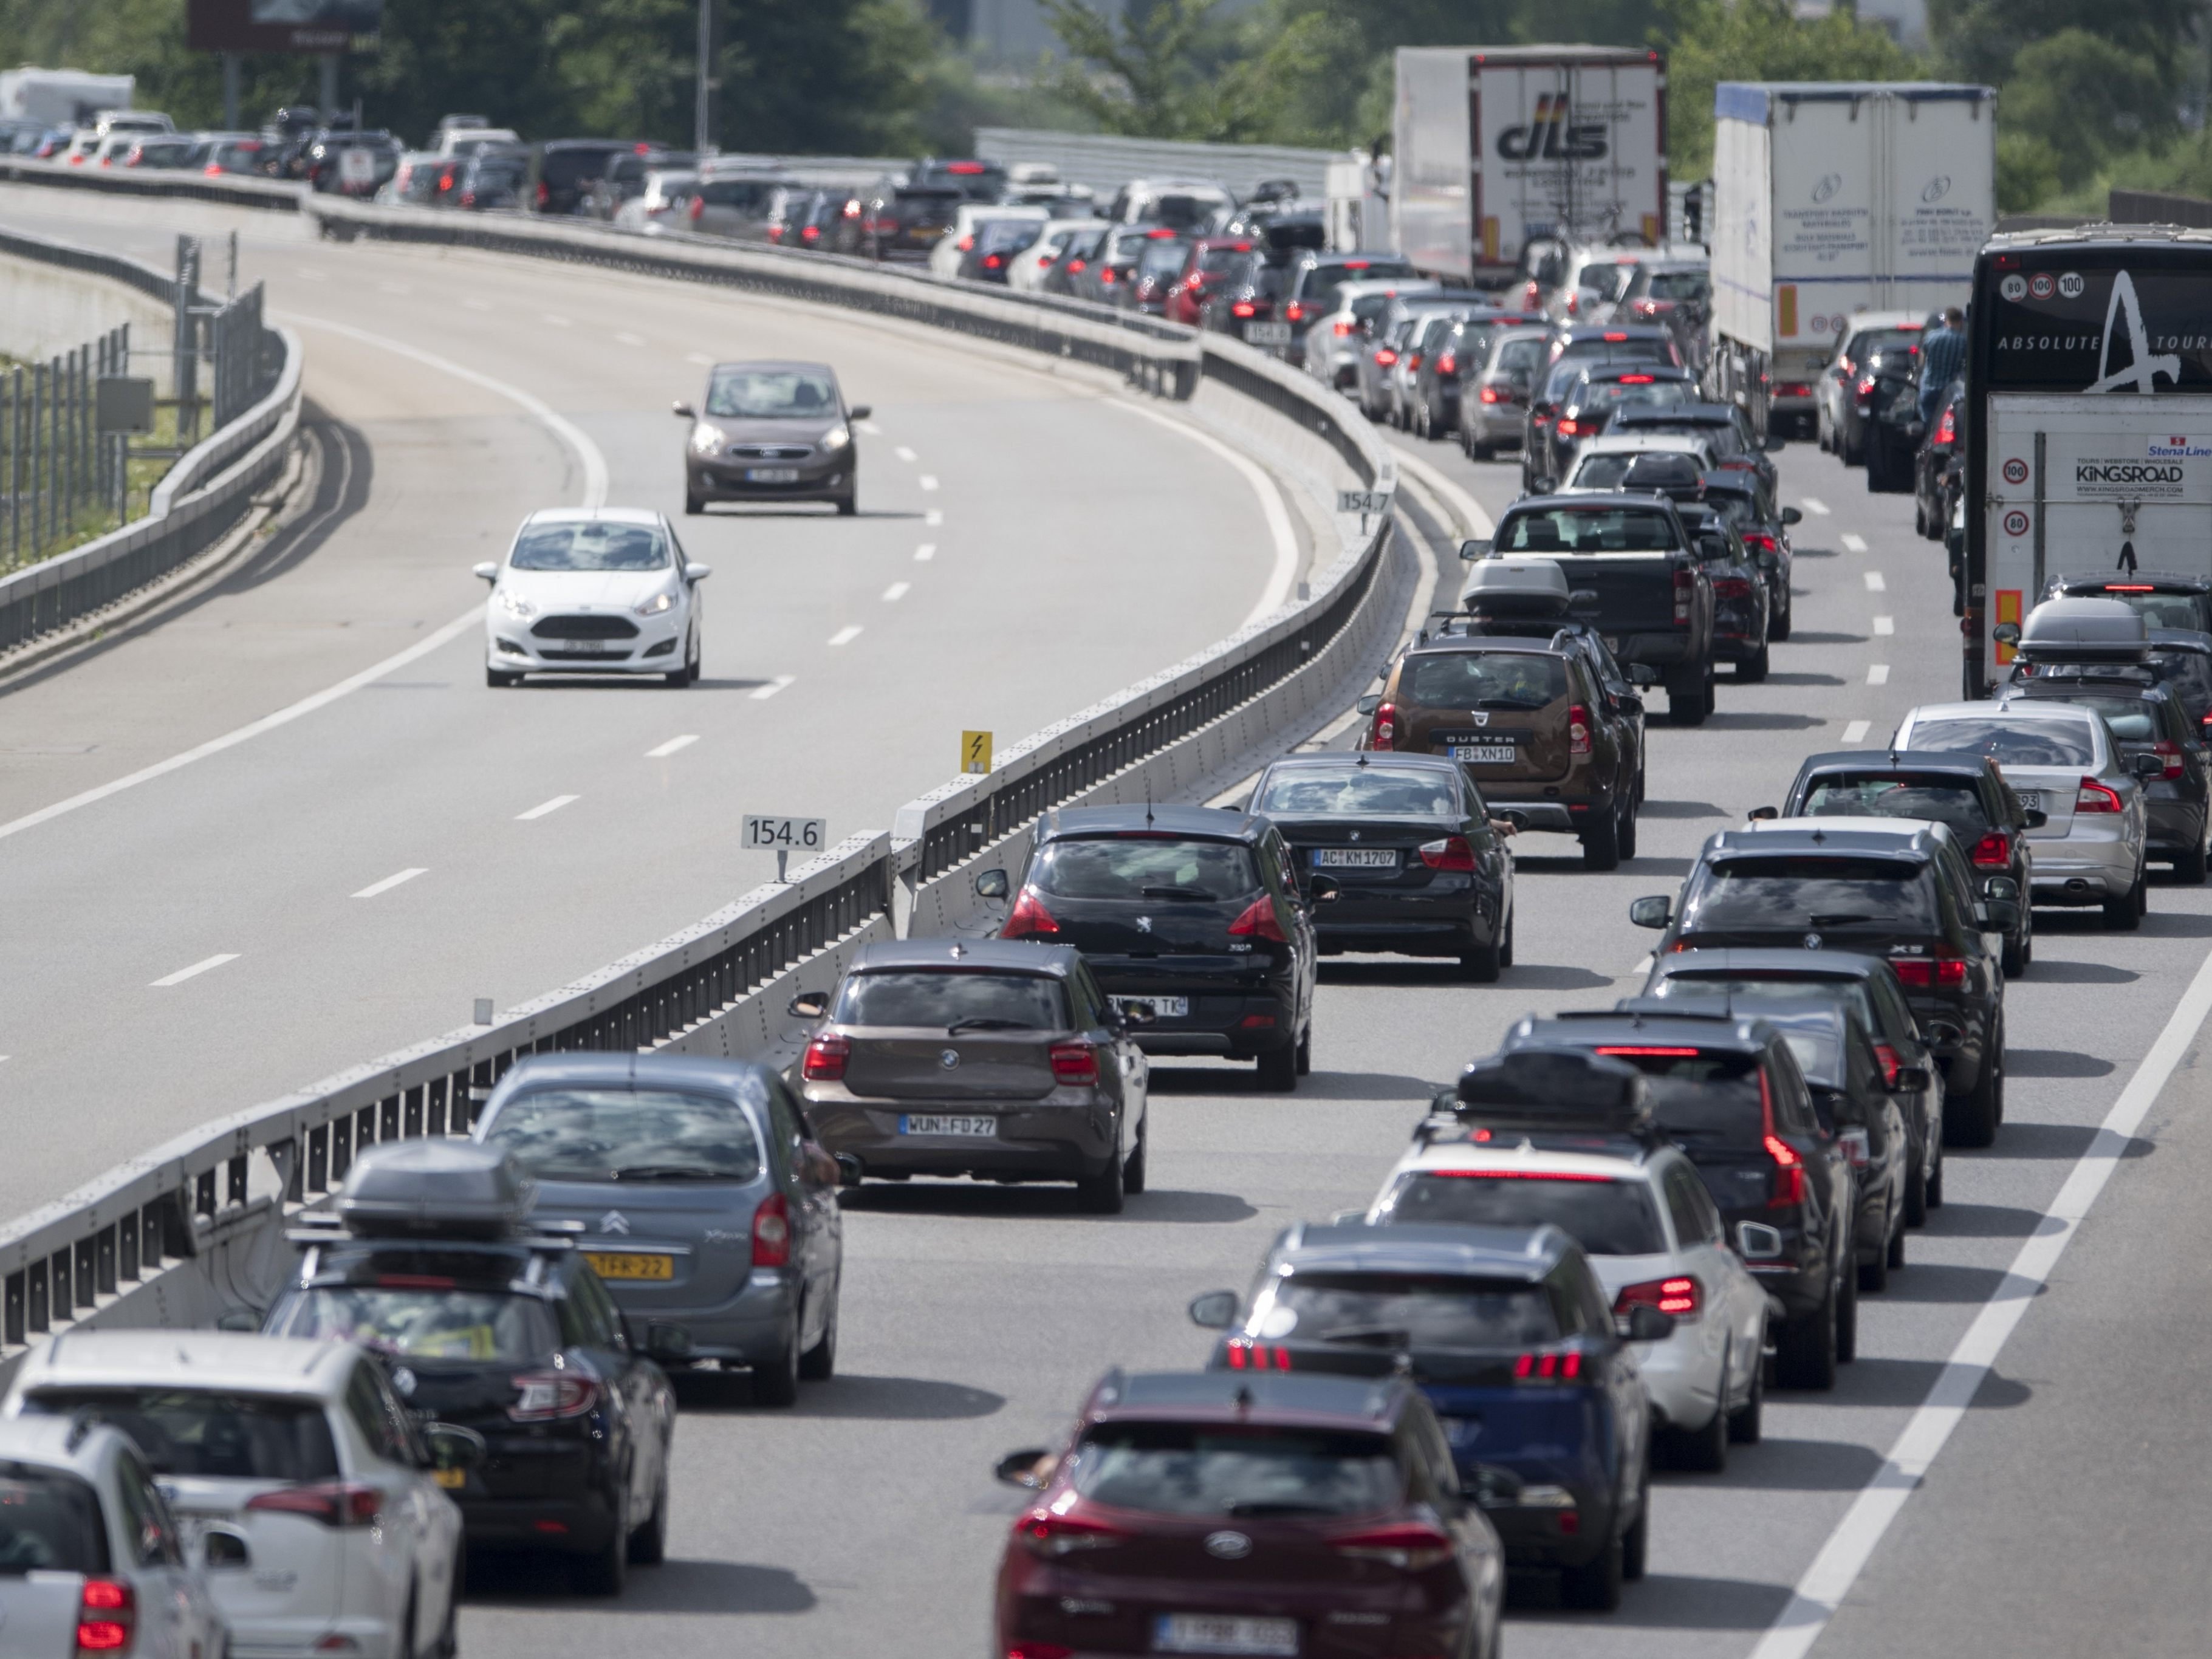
(1148, 803)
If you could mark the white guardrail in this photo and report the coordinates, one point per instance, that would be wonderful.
(173, 1237)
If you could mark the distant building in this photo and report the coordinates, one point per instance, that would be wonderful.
(1905, 20)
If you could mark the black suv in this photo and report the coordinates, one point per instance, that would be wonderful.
(1191, 914)
(1746, 501)
(1902, 892)
(2163, 599)
(1743, 613)
(1966, 793)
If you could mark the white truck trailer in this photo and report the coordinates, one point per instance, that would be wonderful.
(1498, 147)
(1832, 198)
(61, 98)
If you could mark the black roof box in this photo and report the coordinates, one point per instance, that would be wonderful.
(446, 1189)
(1557, 1089)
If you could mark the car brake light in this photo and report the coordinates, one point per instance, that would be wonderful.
(2171, 753)
(1993, 851)
(1078, 265)
(2095, 797)
(1384, 357)
(543, 194)
(1615, 339)
(1107, 277)
(1569, 426)
(1343, 325)
(1759, 541)
(1042, 1533)
(1075, 1063)
(1452, 853)
(1946, 430)
(1686, 585)
(1928, 973)
(1162, 235)
(340, 1503)
(1029, 919)
(698, 206)
(1295, 311)
(1887, 1056)
(1683, 1296)
(1447, 365)
(965, 243)
(1647, 1051)
(772, 1233)
(1579, 730)
(1539, 1367)
(963, 169)
(1259, 921)
(2129, 587)
(107, 1612)
(1040, 1651)
(826, 1055)
(1490, 394)
(1242, 308)
(991, 262)
(1384, 732)
(1731, 587)
(1636, 379)
(1412, 1546)
(1246, 1355)
(1866, 386)
(1788, 1190)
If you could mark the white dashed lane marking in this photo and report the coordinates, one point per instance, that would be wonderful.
(674, 743)
(1878, 673)
(1853, 544)
(1874, 583)
(763, 693)
(544, 807)
(389, 882)
(194, 972)
(1856, 732)
(846, 634)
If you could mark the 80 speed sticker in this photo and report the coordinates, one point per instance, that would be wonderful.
(2016, 524)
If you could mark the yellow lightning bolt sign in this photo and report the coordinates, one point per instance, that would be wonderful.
(975, 751)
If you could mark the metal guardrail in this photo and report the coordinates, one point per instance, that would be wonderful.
(270, 193)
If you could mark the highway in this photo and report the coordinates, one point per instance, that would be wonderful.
(974, 1319)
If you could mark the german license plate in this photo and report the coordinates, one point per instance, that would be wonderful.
(1208, 1633)
(975, 1125)
(1355, 858)
(771, 475)
(450, 1480)
(1482, 754)
(631, 1264)
(1266, 334)
(1159, 1007)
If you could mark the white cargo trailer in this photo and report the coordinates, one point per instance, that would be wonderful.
(1494, 148)
(1832, 198)
(61, 97)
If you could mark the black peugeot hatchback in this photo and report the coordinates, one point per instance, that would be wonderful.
(1191, 914)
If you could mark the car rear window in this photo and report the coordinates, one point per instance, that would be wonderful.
(1236, 1470)
(1782, 890)
(1524, 351)
(1185, 212)
(1006, 236)
(589, 544)
(1358, 792)
(1606, 1217)
(1869, 342)
(2019, 740)
(2158, 609)
(1614, 394)
(1408, 1310)
(1145, 867)
(1483, 679)
(739, 195)
(49, 1523)
(1605, 472)
(1588, 529)
(1164, 257)
(583, 1133)
(944, 997)
(771, 394)
(1755, 996)
(208, 1431)
(1214, 260)
(1605, 282)
(1679, 285)
(424, 1321)
(1951, 800)
(564, 169)
(1702, 1098)
(2132, 719)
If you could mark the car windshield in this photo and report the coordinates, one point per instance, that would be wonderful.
(2017, 740)
(1606, 1217)
(425, 1321)
(772, 394)
(944, 997)
(589, 544)
(1358, 791)
(1235, 1469)
(1679, 285)
(49, 1523)
(1483, 679)
(1588, 529)
(1632, 390)
(1145, 867)
(1605, 472)
(208, 1432)
(2132, 719)
(1952, 800)
(1810, 891)
(1405, 1311)
(582, 1133)
(1868, 342)
(1605, 282)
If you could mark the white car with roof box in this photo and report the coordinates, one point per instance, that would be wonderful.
(605, 590)
(296, 1477)
(91, 1559)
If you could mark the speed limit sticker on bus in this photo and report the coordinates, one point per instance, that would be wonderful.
(2016, 471)
(2016, 524)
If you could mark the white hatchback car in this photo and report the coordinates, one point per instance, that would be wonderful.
(91, 1559)
(604, 590)
(297, 1478)
(1653, 1236)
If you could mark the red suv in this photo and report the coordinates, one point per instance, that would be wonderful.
(1248, 1512)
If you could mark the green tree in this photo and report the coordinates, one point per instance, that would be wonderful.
(1979, 39)
(2083, 100)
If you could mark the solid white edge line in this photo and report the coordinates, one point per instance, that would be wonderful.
(389, 882)
(194, 972)
(545, 806)
(1829, 1579)
(664, 751)
(595, 495)
(763, 693)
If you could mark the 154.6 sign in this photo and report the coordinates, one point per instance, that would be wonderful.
(783, 835)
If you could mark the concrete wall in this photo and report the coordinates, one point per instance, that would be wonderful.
(46, 310)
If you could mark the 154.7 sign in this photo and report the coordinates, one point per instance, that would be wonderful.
(783, 835)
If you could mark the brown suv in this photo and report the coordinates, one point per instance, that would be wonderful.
(1532, 729)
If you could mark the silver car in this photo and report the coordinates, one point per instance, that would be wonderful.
(1493, 405)
(2060, 761)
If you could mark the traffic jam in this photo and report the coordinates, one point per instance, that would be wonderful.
(1609, 1242)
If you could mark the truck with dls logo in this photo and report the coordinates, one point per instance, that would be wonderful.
(2089, 369)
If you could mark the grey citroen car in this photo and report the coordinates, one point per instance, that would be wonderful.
(701, 1201)
(772, 432)
(994, 1058)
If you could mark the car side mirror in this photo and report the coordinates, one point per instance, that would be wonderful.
(1214, 1311)
(849, 1170)
(2006, 634)
(668, 1344)
(2149, 766)
(1655, 911)
(222, 1550)
(2002, 890)
(684, 410)
(488, 570)
(1368, 705)
(241, 1322)
(1757, 1242)
(1477, 547)
(1642, 674)
(810, 1005)
(1791, 515)
(859, 411)
(817, 1166)
(697, 572)
(1516, 817)
(1023, 1468)
(2034, 817)
(1911, 1079)
(991, 883)
(1645, 1324)
(453, 1448)
(1136, 1015)
(1762, 815)
(1326, 890)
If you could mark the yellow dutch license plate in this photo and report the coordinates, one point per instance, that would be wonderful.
(450, 1480)
(626, 1264)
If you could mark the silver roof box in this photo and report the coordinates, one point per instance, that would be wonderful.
(2085, 630)
(449, 1188)
(1517, 588)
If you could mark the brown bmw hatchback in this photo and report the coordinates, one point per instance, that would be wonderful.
(991, 1058)
(772, 432)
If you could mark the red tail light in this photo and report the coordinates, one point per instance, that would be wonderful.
(1685, 586)
(1246, 1355)
(775, 233)
(1075, 1063)
(1343, 325)
(1259, 921)
(547, 1396)
(1946, 430)
(1994, 851)
(1243, 308)
(1788, 1190)
(1410, 1546)
(340, 1503)
(1384, 732)
(543, 194)
(1539, 1367)
(1637, 379)
(1295, 311)
(825, 1058)
(1615, 339)
(1106, 276)
(1078, 265)
(965, 244)
(1448, 364)
(809, 232)
(1759, 541)
(1579, 730)
(991, 262)
(2095, 797)
(1731, 587)
(1865, 388)
(1887, 1056)
(1574, 302)
(1039, 1651)
(1029, 919)
(1683, 1296)
(106, 1616)
(1452, 853)
(1569, 426)
(1412, 362)
(1384, 357)
(698, 206)
(1931, 973)
(772, 1233)
(1042, 1533)
(2171, 753)
(1490, 395)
